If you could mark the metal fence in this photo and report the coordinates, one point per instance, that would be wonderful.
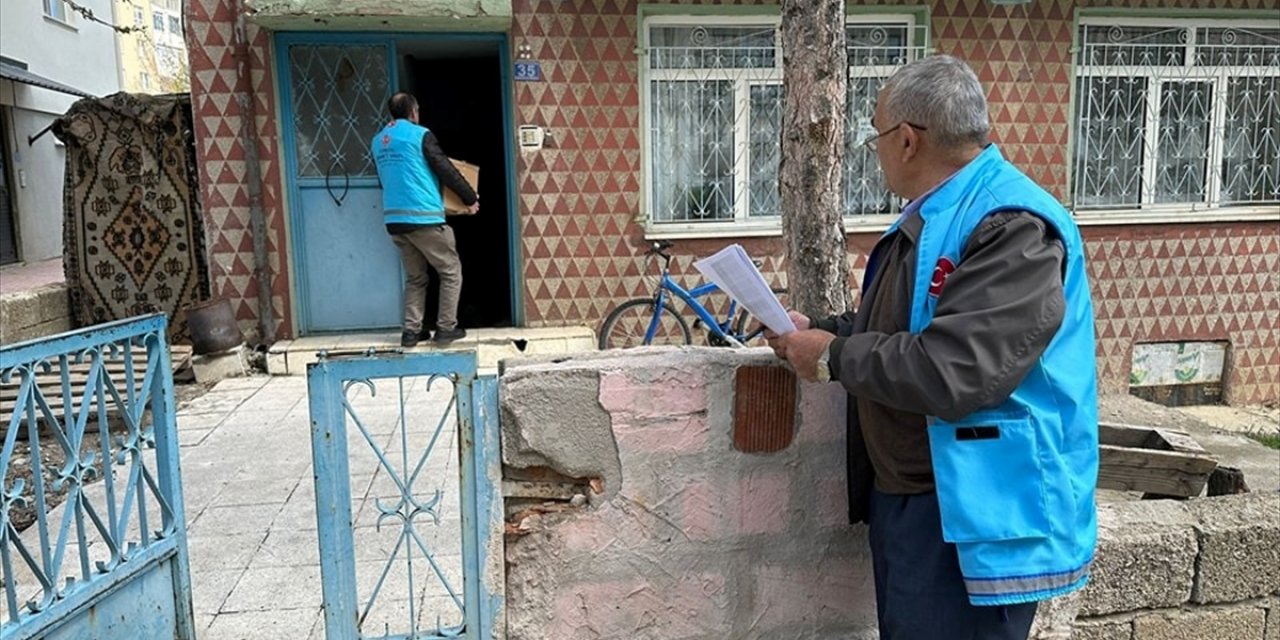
(90, 471)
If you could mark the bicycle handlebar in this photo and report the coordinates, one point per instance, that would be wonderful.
(659, 248)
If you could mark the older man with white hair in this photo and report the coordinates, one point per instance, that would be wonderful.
(973, 444)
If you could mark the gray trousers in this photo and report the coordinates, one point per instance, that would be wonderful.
(433, 246)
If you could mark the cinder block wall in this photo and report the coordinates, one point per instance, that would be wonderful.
(1204, 569)
(690, 539)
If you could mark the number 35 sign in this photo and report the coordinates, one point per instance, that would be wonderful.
(528, 71)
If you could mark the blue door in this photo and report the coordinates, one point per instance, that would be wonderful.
(347, 271)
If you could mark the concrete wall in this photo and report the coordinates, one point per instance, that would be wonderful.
(1205, 569)
(411, 15)
(685, 538)
(78, 53)
(689, 538)
(34, 313)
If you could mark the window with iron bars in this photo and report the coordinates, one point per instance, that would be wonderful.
(714, 105)
(1176, 114)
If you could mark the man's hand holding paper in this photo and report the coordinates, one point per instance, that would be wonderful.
(731, 269)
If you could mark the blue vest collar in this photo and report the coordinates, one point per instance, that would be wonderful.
(958, 183)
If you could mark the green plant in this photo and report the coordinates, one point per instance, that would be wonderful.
(1271, 440)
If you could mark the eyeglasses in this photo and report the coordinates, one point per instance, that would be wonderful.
(870, 143)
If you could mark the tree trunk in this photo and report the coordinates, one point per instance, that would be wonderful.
(815, 69)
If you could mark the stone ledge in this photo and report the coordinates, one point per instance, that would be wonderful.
(1239, 622)
(365, 15)
(35, 313)
(1239, 538)
(1104, 629)
(1145, 559)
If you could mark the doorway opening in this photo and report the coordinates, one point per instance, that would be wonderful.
(458, 84)
(8, 239)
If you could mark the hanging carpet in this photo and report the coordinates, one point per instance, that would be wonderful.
(133, 235)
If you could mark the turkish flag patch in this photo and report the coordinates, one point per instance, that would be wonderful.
(940, 272)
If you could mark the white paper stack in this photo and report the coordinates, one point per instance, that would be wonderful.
(732, 270)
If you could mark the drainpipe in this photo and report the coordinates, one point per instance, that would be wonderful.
(253, 174)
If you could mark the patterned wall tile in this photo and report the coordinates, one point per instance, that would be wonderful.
(579, 198)
(1159, 284)
(220, 149)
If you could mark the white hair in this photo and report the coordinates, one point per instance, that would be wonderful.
(942, 94)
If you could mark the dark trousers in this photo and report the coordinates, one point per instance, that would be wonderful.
(919, 590)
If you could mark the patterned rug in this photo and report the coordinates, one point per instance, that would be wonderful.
(133, 235)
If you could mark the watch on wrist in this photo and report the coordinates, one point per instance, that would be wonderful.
(824, 366)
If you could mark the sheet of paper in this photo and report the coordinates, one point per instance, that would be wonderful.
(732, 270)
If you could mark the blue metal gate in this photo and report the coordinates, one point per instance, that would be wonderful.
(111, 560)
(410, 546)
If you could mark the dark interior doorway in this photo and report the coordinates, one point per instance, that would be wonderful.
(458, 85)
(8, 239)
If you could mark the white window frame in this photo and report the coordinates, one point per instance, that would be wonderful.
(56, 10)
(742, 225)
(1157, 76)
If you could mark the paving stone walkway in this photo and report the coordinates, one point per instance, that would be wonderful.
(250, 503)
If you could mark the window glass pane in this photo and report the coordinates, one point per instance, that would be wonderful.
(875, 45)
(1113, 45)
(137, 17)
(55, 9)
(691, 136)
(744, 47)
(175, 25)
(864, 188)
(1182, 141)
(1110, 126)
(157, 20)
(1251, 148)
(1238, 47)
(766, 150)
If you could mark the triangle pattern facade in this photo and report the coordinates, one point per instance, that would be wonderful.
(580, 198)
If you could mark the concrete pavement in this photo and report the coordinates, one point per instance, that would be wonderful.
(250, 502)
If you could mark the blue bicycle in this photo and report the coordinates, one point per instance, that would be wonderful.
(654, 321)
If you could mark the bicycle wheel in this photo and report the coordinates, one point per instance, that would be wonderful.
(625, 326)
(747, 324)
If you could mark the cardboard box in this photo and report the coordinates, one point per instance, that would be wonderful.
(452, 203)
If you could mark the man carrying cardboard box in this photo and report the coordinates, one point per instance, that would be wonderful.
(411, 167)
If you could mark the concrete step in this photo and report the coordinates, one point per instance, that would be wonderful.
(291, 357)
(27, 314)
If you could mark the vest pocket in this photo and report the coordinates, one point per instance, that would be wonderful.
(990, 482)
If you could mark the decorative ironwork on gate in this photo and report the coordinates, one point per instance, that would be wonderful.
(406, 463)
(90, 472)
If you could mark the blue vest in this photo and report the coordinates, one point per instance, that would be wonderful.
(410, 191)
(1017, 500)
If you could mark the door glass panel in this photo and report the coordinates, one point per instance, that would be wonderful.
(340, 94)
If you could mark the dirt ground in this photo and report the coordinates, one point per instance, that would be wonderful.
(1222, 431)
(53, 457)
(1249, 420)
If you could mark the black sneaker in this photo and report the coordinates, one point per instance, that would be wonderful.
(408, 339)
(445, 336)
(425, 334)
